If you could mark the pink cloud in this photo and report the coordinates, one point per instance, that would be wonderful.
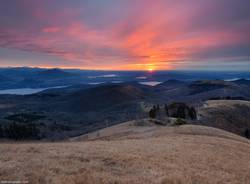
(51, 29)
(140, 34)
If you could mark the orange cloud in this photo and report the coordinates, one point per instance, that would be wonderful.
(132, 35)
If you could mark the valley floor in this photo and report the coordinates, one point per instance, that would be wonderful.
(184, 155)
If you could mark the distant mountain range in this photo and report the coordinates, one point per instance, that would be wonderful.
(52, 74)
(12, 78)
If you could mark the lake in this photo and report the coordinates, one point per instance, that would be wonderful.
(26, 91)
(151, 83)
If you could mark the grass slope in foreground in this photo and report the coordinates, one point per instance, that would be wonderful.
(142, 153)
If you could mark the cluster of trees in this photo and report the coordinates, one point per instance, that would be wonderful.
(182, 110)
(229, 98)
(21, 126)
(177, 110)
(247, 134)
(24, 117)
(19, 131)
(59, 127)
(153, 111)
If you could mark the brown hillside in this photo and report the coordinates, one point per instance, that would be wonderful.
(142, 153)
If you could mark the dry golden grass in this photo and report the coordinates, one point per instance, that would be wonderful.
(176, 157)
(227, 103)
(145, 128)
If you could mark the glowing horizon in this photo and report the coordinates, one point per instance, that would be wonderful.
(126, 35)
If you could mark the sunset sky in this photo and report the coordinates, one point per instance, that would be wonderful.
(126, 34)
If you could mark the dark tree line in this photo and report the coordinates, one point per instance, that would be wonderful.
(19, 131)
(247, 134)
(192, 113)
(166, 109)
(21, 126)
(177, 110)
(153, 111)
(229, 98)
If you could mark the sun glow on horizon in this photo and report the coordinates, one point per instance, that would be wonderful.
(150, 69)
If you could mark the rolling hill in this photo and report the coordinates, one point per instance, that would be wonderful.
(54, 74)
(105, 97)
(243, 81)
(133, 152)
(83, 108)
(230, 115)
